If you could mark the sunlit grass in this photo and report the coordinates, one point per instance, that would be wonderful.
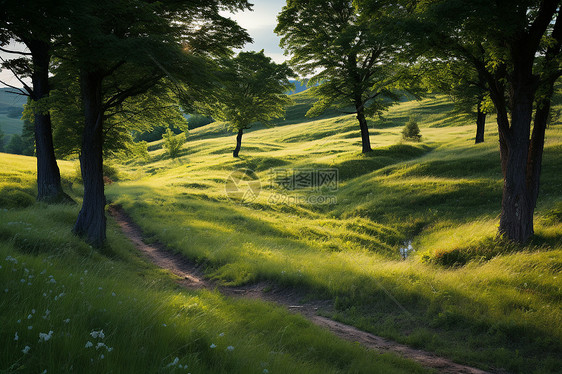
(443, 194)
(66, 307)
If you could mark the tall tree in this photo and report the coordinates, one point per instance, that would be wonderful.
(36, 25)
(467, 88)
(146, 40)
(350, 57)
(251, 88)
(516, 46)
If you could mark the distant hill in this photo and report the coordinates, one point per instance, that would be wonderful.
(11, 109)
(299, 87)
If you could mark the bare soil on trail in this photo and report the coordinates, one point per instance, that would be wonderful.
(192, 277)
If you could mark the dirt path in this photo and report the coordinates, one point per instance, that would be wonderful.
(193, 278)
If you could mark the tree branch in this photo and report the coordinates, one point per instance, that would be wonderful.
(15, 52)
(21, 92)
(27, 88)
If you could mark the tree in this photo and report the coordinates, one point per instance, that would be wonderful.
(467, 88)
(252, 88)
(173, 143)
(411, 130)
(158, 107)
(145, 41)
(16, 145)
(36, 26)
(516, 46)
(349, 56)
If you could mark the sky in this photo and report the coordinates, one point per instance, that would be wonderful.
(260, 24)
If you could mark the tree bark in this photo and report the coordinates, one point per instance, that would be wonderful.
(516, 218)
(480, 124)
(91, 222)
(365, 140)
(49, 187)
(238, 143)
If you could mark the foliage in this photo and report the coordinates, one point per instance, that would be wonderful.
(173, 143)
(350, 57)
(198, 120)
(1, 140)
(411, 130)
(154, 109)
(251, 88)
(139, 150)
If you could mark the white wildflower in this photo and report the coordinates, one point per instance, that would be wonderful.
(213, 345)
(97, 334)
(174, 363)
(45, 337)
(221, 334)
(230, 348)
(29, 316)
(99, 345)
(26, 349)
(32, 311)
(88, 344)
(16, 338)
(101, 356)
(67, 320)
(113, 294)
(29, 327)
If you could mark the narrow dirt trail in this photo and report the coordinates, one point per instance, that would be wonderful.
(193, 278)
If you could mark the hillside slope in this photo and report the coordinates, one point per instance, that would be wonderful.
(460, 293)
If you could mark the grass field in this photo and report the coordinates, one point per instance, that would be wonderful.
(65, 307)
(460, 293)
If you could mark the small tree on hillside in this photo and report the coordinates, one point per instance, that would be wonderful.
(411, 131)
(252, 89)
(173, 142)
(350, 56)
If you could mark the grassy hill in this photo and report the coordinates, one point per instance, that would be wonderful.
(459, 293)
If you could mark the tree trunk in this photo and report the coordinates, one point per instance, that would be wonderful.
(91, 222)
(238, 143)
(49, 187)
(480, 124)
(518, 204)
(365, 140)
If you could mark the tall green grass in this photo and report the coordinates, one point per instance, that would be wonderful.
(66, 307)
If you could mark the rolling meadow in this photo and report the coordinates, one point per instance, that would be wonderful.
(404, 246)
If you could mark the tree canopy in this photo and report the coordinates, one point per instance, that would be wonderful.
(250, 88)
(351, 57)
